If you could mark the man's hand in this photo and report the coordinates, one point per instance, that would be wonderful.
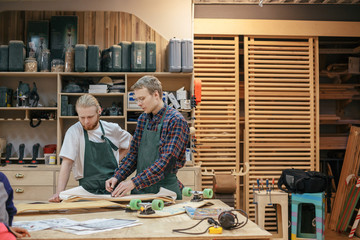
(55, 198)
(123, 188)
(110, 184)
(19, 232)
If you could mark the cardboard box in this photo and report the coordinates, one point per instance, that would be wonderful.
(354, 65)
(132, 104)
(185, 104)
(181, 94)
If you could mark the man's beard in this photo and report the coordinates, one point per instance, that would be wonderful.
(92, 127)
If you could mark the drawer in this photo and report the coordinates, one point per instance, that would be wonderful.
(71, 183)
(33, 193)
(33, 178)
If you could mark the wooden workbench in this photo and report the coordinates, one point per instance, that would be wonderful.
(151, 228)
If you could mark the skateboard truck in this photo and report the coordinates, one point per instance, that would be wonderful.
(197, 195)
(146, 208)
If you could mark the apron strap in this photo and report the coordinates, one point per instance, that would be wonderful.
(115, 148)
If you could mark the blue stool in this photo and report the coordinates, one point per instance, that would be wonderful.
(318, 200)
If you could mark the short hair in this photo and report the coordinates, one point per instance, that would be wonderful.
(151, 83)
(87, 100)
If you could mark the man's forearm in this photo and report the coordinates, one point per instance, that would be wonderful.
(64, 174)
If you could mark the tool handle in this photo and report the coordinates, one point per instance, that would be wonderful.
(21, 151)
(36, 150)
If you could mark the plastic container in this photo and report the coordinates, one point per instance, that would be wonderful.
(50, 158)
(111, 59)
(93, 58)
(30, 65)
(16, 56)
(80, 58)
(69, 60)
(138, 56)
(150, 56)
(125, 56)
(4, 58)
(186, 55)
(57, 65)
(44, 60)
(174, 54)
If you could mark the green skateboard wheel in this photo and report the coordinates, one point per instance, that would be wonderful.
(186, 191)
(135, 204)
(157, 204)
(208, 193)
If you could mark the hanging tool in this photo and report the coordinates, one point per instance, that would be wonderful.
(254, 194)
(8, 153)
(258, 183)
(268, 190)
(35, 153)
(21, 154)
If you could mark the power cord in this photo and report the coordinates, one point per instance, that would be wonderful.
(227, 220)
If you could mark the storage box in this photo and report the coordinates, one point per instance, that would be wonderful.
(138, 56)
(111, 59)
(93, 58)
(174, 54)
(4, 58)
(181, 94)
(125, 56)
(16, 56)
(80, 58)
(5, 97)
(150, 56)
(132, 104)
(354, 65)
(186, 55)
(63, 35)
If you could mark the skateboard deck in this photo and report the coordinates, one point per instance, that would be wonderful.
(79, 193)
(33, 207)
(175, 209)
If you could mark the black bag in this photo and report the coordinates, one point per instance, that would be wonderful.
(299, 181)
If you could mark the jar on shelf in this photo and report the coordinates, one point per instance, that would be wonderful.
(44, 60)
(69, 60)
(57, 65)
(30, 65)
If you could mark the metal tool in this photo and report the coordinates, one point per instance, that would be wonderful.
(258, 183)
(35, 153)
(254, 194)
(21, 154)
(8, 153)
(268, 191)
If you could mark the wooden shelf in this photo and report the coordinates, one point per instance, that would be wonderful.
(94, 94)
(333, 141)
(27, 108)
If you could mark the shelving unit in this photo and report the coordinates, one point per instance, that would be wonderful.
(339, 99)
(15, 127)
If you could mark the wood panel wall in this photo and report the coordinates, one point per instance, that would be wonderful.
(95, 27)
(216, 64)
(281, 105)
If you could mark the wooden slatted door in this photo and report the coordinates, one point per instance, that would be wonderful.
(216, 64)
(280, 109)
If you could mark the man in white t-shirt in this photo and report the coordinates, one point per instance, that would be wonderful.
(92, 148)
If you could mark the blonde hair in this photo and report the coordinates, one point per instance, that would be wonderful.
(87, 100)
(151, 83)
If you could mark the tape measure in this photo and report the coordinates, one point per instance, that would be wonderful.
(215, 230)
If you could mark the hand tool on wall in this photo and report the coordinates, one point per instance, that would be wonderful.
(35, 153)
(8, 153)
(258, 183)
(21, 154)
(268, 190)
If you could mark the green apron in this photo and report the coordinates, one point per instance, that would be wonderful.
(99, 163)
(148, 152)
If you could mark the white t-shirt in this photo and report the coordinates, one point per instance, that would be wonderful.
(73, 146)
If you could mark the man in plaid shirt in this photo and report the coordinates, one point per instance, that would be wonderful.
(158, 146)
